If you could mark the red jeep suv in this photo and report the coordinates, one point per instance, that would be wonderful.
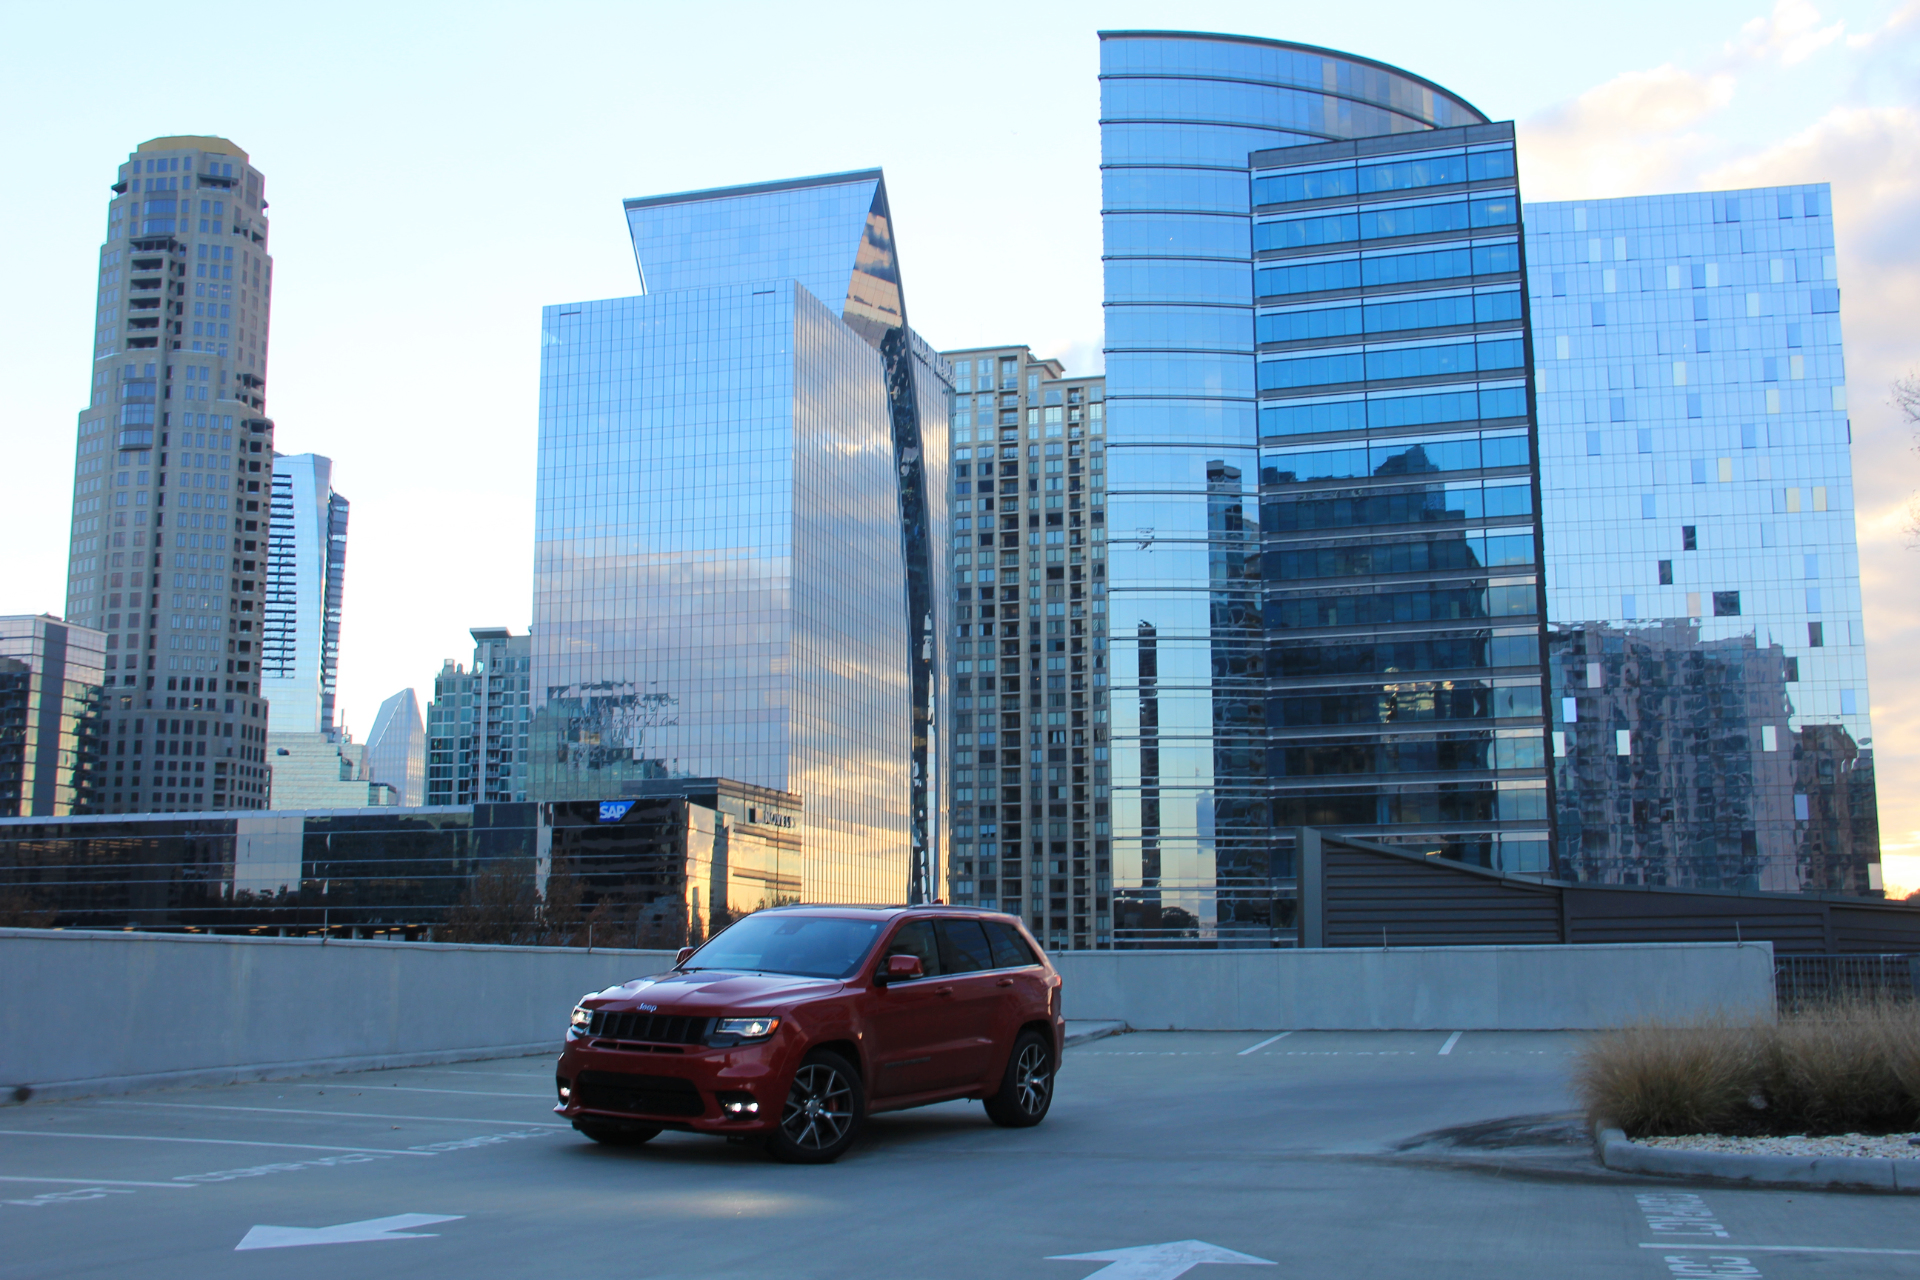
(795, 1023)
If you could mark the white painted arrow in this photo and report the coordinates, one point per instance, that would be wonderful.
(1160, 1261)
(394, 1228)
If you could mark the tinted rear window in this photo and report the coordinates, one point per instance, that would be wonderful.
(963, 946)
(1010, 950)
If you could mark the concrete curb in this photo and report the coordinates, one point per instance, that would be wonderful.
(1839, 1173)
(1088, 1032)
(109, 1086)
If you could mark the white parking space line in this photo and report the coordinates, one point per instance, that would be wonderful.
(1263, 1044)
(1452, 1040)
(351, 1115)
(96, 1182)
(468, 1093)
(547, 1074)
(1779, 1248)
(206, 1142)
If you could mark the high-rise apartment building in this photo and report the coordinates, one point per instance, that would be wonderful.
(1307, 639)
(306, 581)
(1709, 699)
(1027, 743)
(741, 494)
(396, 751)
(477, 723)
(173, 468)
(50, 692)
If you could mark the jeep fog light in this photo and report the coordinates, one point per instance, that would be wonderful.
(739, 1106)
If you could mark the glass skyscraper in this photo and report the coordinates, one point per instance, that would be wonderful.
(1227, 728)
(50, 741)
(1403, 604)
(397, 749)
(306, 584)
(1709, 699)
(741, 486)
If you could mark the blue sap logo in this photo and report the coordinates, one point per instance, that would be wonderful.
(614, 810)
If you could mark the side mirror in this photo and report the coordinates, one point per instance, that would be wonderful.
(685, 954)
(902, 969)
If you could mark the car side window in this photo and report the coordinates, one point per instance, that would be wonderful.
(963, 946)
(916, 939)
(1010, 950)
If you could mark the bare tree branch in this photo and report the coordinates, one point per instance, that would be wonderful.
(1906, 398)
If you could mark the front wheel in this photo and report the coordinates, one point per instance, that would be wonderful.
(1026, 1091)
(822, 1112)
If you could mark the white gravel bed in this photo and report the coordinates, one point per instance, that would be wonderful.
(1884, 1146)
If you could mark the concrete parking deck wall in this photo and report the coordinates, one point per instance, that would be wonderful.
(87, 1012)
(1519, 988)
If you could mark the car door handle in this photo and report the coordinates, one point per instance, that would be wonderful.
(1004, 982)
(943, 991)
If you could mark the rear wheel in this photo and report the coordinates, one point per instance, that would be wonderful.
(1026, 1091)
(822, 1111)
(617, 1135)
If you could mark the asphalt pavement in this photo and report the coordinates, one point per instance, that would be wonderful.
(1326, 1154)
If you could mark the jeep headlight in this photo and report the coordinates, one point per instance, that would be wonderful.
(581, 1020)
(746, 1028)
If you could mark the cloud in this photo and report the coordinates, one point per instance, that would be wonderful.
(1902, 18)
(1635, 133)
(1791, 35)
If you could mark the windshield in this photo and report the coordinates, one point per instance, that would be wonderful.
(779, 942)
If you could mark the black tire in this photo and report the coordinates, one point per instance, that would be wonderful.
(1026, 1090)
(615, 1134)
(824, 1107)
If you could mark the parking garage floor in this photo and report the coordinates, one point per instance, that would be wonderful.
(1349, 1154)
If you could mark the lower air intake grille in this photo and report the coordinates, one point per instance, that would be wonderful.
(637, 1095)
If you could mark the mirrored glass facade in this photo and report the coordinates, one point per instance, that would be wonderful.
(741, 481)
(1402, 598)
(1709, 700)
(306, 587)
(1196, 857)
(51, 737)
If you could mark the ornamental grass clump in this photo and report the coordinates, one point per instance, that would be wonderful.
(1840, 1068)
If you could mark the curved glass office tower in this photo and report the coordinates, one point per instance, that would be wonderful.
(1194, 808)
(742, 476)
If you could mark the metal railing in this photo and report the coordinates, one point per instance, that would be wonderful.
(1800, 981)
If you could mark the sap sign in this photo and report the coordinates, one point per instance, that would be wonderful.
(614, 810)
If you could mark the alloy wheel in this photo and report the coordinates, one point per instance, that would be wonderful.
(819, 1108)
(1032, 1079)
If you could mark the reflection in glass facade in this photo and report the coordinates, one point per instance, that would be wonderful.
(1195, 853)
(1709, 681)
(306, 585)
(1398, 496)
(383, 872)
(741, 480)
(51, 736)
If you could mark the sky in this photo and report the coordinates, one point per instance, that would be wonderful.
(439, 172)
